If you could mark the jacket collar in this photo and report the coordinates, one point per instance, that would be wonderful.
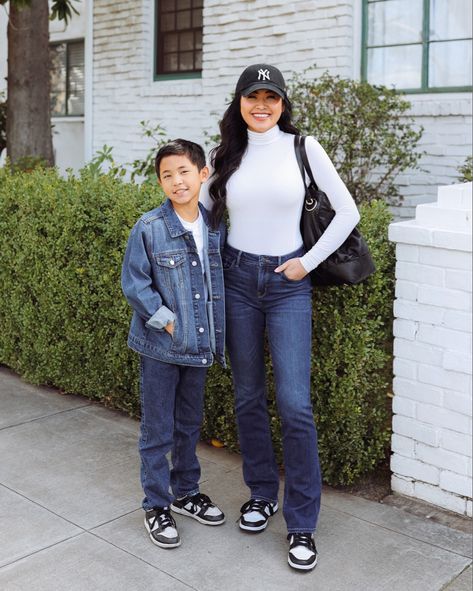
(172, 222)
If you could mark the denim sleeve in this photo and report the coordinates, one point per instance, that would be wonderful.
(137, 282)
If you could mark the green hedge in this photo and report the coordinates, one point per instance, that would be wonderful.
(64, 321)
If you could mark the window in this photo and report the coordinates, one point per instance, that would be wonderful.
(67, 79)
(418, 45)
(178, 38)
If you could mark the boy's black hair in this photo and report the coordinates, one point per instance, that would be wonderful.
(180, 147)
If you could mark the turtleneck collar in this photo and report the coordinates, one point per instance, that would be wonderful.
(267, 137)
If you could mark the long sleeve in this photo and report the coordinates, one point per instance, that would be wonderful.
(137, 283)
(346, 213)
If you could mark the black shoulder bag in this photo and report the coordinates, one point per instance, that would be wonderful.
(351, 263)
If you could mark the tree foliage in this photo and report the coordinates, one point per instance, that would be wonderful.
(366, 131)
(60, 9)
(466, 171)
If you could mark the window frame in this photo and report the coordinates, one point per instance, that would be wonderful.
(194, 75)
(425, 43)
(68, 42)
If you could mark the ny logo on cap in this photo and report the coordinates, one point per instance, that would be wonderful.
(263, 74)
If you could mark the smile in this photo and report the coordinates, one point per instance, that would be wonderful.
(261, 115)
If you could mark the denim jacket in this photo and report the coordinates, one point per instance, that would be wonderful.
(162, 281)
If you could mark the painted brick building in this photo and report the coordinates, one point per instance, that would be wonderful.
(175, 62)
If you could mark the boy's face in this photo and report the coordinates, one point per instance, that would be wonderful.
(181, 179)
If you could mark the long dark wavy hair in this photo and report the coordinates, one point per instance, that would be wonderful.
(226, 157)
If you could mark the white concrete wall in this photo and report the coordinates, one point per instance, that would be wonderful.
(432, 426)
(68, 132)
(447, 121)
(3, 49)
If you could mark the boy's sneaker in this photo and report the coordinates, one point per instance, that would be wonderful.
(199, 507)
(302, 551)
(255, 514)
(161, 527)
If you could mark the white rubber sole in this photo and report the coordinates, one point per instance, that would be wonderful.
(160, 544)
(196, 517)
(253, 529)
(301, 566)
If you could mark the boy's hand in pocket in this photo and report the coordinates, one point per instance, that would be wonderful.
(169, 328)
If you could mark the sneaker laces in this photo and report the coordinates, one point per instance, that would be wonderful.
(200, 502)
(302, 539)
(258, 505)
(164, 519)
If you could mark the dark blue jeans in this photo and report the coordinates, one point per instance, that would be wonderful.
(258, 300)
(171, 416)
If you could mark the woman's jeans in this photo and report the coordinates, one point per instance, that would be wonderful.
(171, 415)
(258, 300)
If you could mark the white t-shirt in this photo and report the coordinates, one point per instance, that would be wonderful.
(196, 227)
(265, 198)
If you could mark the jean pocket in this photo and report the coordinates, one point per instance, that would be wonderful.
(294, 281)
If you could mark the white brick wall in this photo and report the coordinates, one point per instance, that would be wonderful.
(293, 35)
(432, 404)
(446, 140)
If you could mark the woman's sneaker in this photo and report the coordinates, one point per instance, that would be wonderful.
(199, 507)
(302, 551)
(255, 514)
(161, 527)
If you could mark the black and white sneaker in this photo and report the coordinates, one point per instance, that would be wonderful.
(199, 507)
(161, 527)
(255, 514)
(302, 551)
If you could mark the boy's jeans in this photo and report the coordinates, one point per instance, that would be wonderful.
(258, 300)
(171, 416)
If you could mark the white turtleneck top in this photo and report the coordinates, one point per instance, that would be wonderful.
(265, 197)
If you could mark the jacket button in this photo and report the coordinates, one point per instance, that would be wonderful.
(201, 329)
(171, 262)
(197, 296)
(194, 263)
(204, 361)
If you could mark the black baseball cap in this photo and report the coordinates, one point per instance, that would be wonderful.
(260, 76)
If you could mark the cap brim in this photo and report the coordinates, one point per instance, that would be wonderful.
(263, 86)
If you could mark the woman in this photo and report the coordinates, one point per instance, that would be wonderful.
(257, 180)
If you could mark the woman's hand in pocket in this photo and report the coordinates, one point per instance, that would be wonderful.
(169, 328)
(293, 270)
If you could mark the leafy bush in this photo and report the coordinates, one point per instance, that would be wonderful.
(63, 318)
(365, 130)
(466, 171)
(64, 321)
(140, 169)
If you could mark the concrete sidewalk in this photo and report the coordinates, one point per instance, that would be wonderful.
(70, 518)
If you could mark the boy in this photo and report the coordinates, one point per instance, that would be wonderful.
(172, 277)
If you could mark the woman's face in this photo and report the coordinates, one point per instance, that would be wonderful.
(261, 110)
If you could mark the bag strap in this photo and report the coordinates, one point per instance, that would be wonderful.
(303, 160)
(297, 149)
